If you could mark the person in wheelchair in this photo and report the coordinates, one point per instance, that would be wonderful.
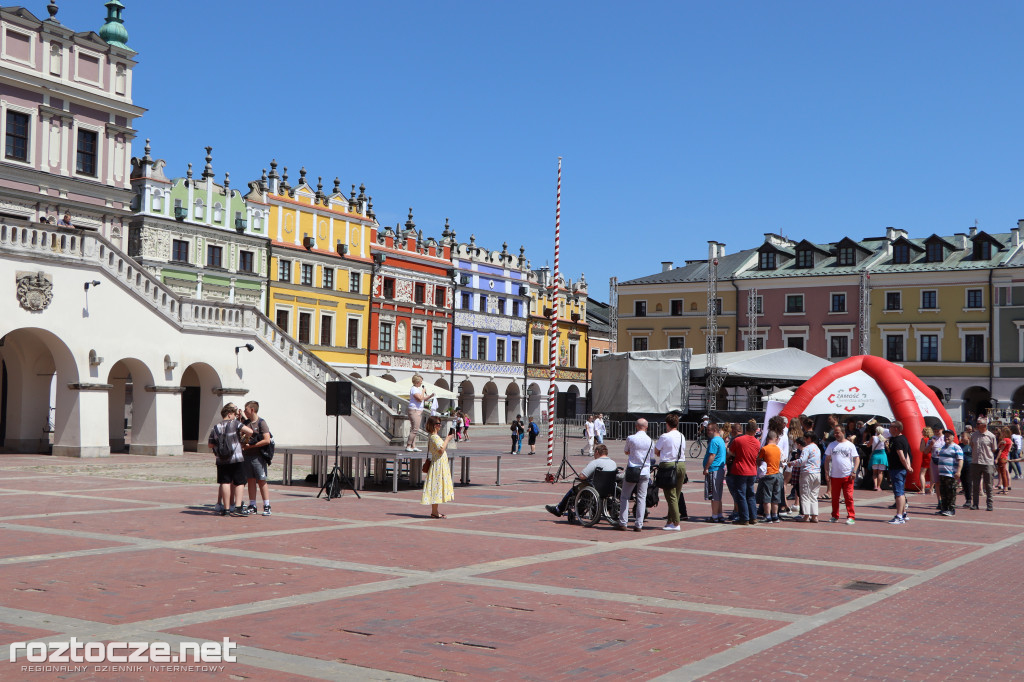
(601, 462)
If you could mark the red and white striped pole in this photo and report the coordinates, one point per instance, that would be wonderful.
(552, 389)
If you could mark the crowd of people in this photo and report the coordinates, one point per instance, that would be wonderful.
(757, 465)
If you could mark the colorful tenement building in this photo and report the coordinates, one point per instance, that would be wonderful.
(410, 305)
(930, 304)
(320, 264)
(571, 362)
(491, 304)
(200, 237)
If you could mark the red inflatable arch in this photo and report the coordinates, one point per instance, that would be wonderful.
(835, 390)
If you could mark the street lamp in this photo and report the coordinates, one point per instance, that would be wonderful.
(378, 260)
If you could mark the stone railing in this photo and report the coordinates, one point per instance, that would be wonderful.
(26, 240)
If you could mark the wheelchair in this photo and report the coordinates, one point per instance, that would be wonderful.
(600, 499)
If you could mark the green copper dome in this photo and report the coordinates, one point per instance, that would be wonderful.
(113, 31)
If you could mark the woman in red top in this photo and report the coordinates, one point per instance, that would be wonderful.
(927, 441)
(1002, 461)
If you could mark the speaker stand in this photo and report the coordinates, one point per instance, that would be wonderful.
(335, 479)
(562, 474)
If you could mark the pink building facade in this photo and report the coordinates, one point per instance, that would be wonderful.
(66, 117)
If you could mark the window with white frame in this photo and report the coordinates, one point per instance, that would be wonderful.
(975, 298)
(929, 348)
(837, 303)
(893, 300)
(306, 277)
(929, 300)
(639, 343)
(839, 346)
(640, 308)
(326, 330)
(794, 303)
(974, 348)
(439, 348)
(386, 329)
(417, 340)
(894, 347)
(353, 332)
(676, 342)
(284, 271)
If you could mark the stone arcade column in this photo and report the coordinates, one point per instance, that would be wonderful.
(156, 425)
(86, 431)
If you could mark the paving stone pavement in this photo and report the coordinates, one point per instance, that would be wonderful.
(128, 548)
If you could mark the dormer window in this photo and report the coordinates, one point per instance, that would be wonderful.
(901, 254)
(805, 258)
(767, 260)
(982, 250)
(846, 255)
(934, 253)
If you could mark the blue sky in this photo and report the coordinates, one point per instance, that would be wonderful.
(678, 122)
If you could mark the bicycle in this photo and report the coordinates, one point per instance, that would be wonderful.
(699, 447)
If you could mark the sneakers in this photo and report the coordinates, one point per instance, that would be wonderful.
(416, 450)
(218, 508)
(906, 519)
(967, 505)
(834, 519)
(240, 511)
(410, 449)
(637, 529)
(850, 522)
(671, 526)
(266, 510)
(553, 510)
(251, 509)
(776, 519)
(897, 521)
(946, 513)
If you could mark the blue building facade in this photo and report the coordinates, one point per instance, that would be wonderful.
(489, 337)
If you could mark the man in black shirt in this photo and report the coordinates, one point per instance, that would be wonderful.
(899, 464)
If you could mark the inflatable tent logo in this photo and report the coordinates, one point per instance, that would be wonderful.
(849, 400)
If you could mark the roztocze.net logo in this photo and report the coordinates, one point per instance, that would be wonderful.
(184, 657)
(849, 399)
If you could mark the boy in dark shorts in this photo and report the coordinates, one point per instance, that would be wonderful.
(255, 464)
(225, 443)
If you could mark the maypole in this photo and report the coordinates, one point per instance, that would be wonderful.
(552, 389)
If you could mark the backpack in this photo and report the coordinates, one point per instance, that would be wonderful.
(267, 451)
(222, 446)
(534, 429)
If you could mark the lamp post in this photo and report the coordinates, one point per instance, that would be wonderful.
(378, 261)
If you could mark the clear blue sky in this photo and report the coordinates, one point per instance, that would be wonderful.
(678, 122)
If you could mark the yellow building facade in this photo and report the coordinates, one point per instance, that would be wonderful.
(572, 363)
(320, 265)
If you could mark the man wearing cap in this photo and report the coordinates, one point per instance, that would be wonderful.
(948, 462)
(983, 462)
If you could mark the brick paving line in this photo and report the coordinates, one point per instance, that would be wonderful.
(784, 560)
(887, 536)
(807, 624)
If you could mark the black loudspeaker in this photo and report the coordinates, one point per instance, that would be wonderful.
(339, 399)
(565, 406)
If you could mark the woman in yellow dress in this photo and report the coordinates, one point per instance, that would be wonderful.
(437, 488)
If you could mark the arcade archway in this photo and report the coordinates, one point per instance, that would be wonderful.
(200, 406)
(39, 394)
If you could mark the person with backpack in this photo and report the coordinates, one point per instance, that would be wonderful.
(531, 438)
(256, 453)
(517, 429)
(225, 443)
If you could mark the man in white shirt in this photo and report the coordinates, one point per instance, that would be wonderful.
(843, 461)
(601, 462)
(639, 450)
(589, 429)
(599, 429)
